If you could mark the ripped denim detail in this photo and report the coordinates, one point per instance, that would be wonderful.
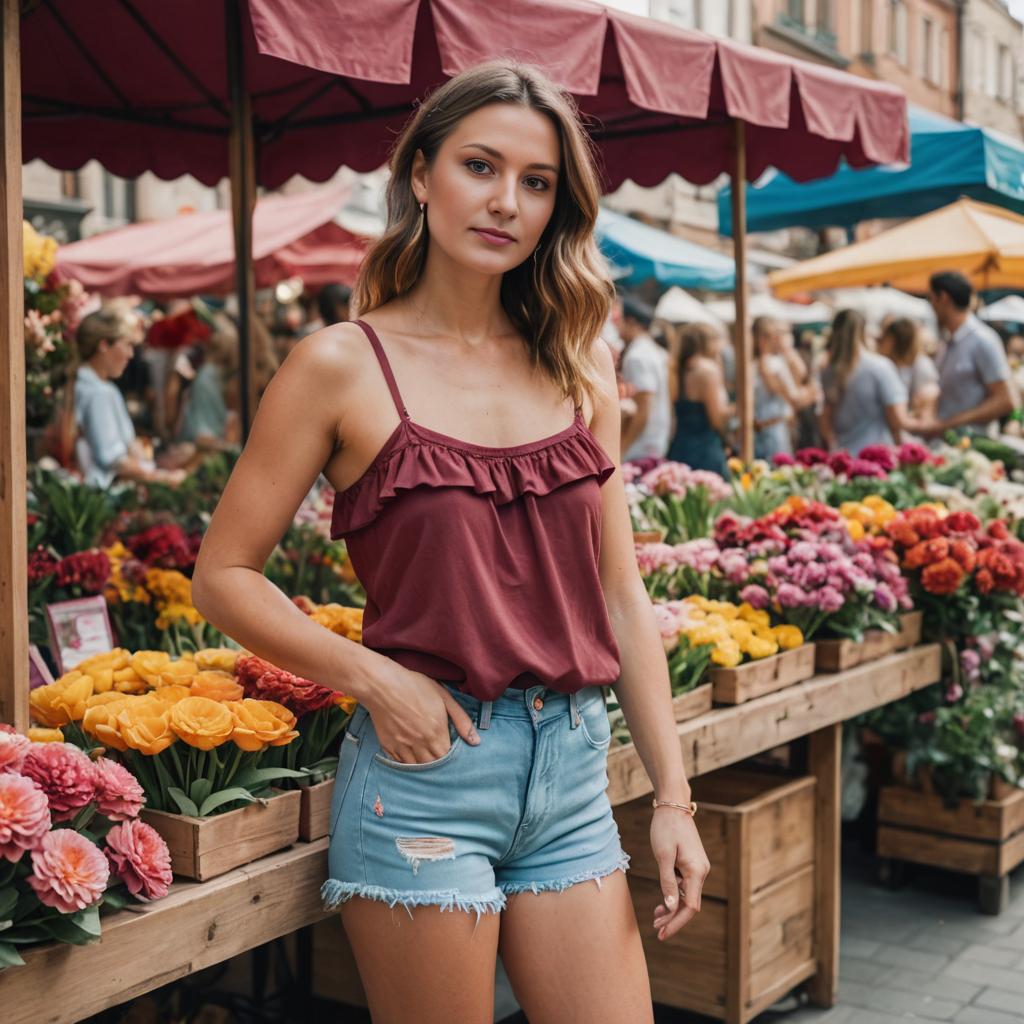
(561, 884)
(335, 893)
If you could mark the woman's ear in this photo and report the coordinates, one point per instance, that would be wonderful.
(418, 176)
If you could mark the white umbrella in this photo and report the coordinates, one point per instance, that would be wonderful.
(1008, 310)
(767, 305)
(874, 304)
(678, 306)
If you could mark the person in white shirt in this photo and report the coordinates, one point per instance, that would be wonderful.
(645, 368)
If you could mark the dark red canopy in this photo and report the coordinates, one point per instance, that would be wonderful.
(142, 85)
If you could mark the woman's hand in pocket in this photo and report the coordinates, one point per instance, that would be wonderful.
(410, 713)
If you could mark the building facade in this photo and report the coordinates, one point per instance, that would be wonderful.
(991, 93)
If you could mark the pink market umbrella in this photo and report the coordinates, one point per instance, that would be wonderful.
(293, 236)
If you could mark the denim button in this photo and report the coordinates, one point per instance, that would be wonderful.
(537, 703)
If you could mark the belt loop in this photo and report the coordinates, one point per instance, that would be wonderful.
(485, 714)
(574, 711)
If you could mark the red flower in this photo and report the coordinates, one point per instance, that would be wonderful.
(88, 570)
(962, 522)
(926, 522)
(942, 577)
(41, 564)
(964, 554)
(812, 457)
(264, 681)
(880, 455)
(911, 454)
(901, 531)
(165, 546)
(998, 530)
(840, 463)
(927, 553)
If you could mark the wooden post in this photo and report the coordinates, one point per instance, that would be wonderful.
(243, 203)
(824, 751)
(741, 332)
(13, 539)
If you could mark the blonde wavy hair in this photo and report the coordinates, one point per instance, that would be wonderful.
(557, 300)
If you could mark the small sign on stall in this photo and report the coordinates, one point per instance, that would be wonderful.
(39, 673)
(78, 629)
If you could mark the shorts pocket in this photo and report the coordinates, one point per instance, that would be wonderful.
(594, 724)
(456, 742)
(346, 766)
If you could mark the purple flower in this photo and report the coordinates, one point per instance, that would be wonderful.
(803, 552)
(885, 599)
(791, 596)
(970, 663)
(755, 596)
(828, 599)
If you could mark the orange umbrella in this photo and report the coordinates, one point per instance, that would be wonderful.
(986, 243)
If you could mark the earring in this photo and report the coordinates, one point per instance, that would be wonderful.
(422, 207)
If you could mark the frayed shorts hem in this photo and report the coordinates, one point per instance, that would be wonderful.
(561, 884)
(335, 893)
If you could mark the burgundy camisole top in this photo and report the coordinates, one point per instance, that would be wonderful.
(480, 564)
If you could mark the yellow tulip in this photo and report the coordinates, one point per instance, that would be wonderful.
(740, 631)
(202, 722)
(727, 654)
(788, 637)
(856, 529)
(70, 700)
(118, 658)
(149, 664)
(755, 616)
(758, 648)
(100, 720)
(217, 686)
(37, 735)
(46, 704)
(222, 659)
(144, 724)
(180, 671)
(259, 723)
(171, 694)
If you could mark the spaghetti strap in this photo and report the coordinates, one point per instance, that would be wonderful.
(385, 367)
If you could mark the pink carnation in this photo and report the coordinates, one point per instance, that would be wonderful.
(880, 455)
(118, 793)
(783, 459)
(139, 857)
(755, 596)
(70, 873)
(812, 457)
(911, 454)
(790, 596)
(24, 815)
(13, 748)
(864, 467)
(829, 600)
(65, 774)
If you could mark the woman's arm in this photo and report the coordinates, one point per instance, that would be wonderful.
(826, 426)
(711, 388)
(643, 687)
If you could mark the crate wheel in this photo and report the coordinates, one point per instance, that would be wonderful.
(993, 893)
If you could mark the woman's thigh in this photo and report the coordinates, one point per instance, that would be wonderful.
(433, 967)
(575, 956)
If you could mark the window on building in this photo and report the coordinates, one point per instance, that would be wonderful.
(1005, 74)
(795, 9)
(70, 187)
(942, 77)
(896, 30)
(928, 62)
(992, 69)
(824, 16)
(679, 12)
(716, 16)
(867, 26)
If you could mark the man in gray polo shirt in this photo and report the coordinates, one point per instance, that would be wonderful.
(976, 388)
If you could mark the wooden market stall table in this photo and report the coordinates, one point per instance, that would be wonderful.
(201, 924)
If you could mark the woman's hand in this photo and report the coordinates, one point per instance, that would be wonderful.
(682, 866)
(410, 713)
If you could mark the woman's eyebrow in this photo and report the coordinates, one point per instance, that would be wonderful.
(499, 156)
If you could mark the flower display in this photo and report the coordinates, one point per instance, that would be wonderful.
(13, 748)
(65, 774)
(24, 815)
(119, 796)
(139, 858)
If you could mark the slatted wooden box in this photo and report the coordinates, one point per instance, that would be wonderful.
(766, 675)
(315, 810)
(753, 940)
(203, 848)
(839, 655)
(689, 705)
(984, 839)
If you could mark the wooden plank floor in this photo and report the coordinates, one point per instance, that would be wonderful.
(200, 924)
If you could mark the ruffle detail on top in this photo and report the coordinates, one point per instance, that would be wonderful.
(505, 475)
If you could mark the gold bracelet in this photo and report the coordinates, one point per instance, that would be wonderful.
(690, 808)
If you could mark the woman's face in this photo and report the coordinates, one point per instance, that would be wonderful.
(116, 356)
(490, 191)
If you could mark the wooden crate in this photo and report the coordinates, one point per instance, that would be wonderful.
(203, 848)
(315, 810)
(754, 938)
(690, 705)
(840, 655)
(766, 675)
(984, 839)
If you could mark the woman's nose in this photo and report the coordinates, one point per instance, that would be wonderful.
(503, 201)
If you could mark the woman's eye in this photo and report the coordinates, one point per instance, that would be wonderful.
(537, 184)
(478, 166)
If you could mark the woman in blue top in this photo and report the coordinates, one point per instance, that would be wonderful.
(701, 403)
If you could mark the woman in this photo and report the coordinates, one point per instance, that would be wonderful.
(702, 405)
(501, 579)
(901, 345)
(865, 400)
(207, 421)
(107, 448)
(777, 394)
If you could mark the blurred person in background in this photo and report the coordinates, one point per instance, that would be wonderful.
(107, 448)
(647, 431)
(700, 400)
(975, 385)
(210, 417)
(777, 395)
(865, 402)
(901, 344)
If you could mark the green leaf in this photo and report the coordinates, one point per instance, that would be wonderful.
(200, 790)
(9, 956)
(77, 929)
(250, 778)
(185, 805)
(223, 797)
(8, 901)
(114, 899)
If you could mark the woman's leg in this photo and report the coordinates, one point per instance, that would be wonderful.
(575, 957)
(433, 968)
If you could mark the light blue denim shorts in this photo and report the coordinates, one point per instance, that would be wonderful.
(525, 810)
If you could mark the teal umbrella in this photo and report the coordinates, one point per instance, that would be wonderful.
(642, 253)
(948, 159)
